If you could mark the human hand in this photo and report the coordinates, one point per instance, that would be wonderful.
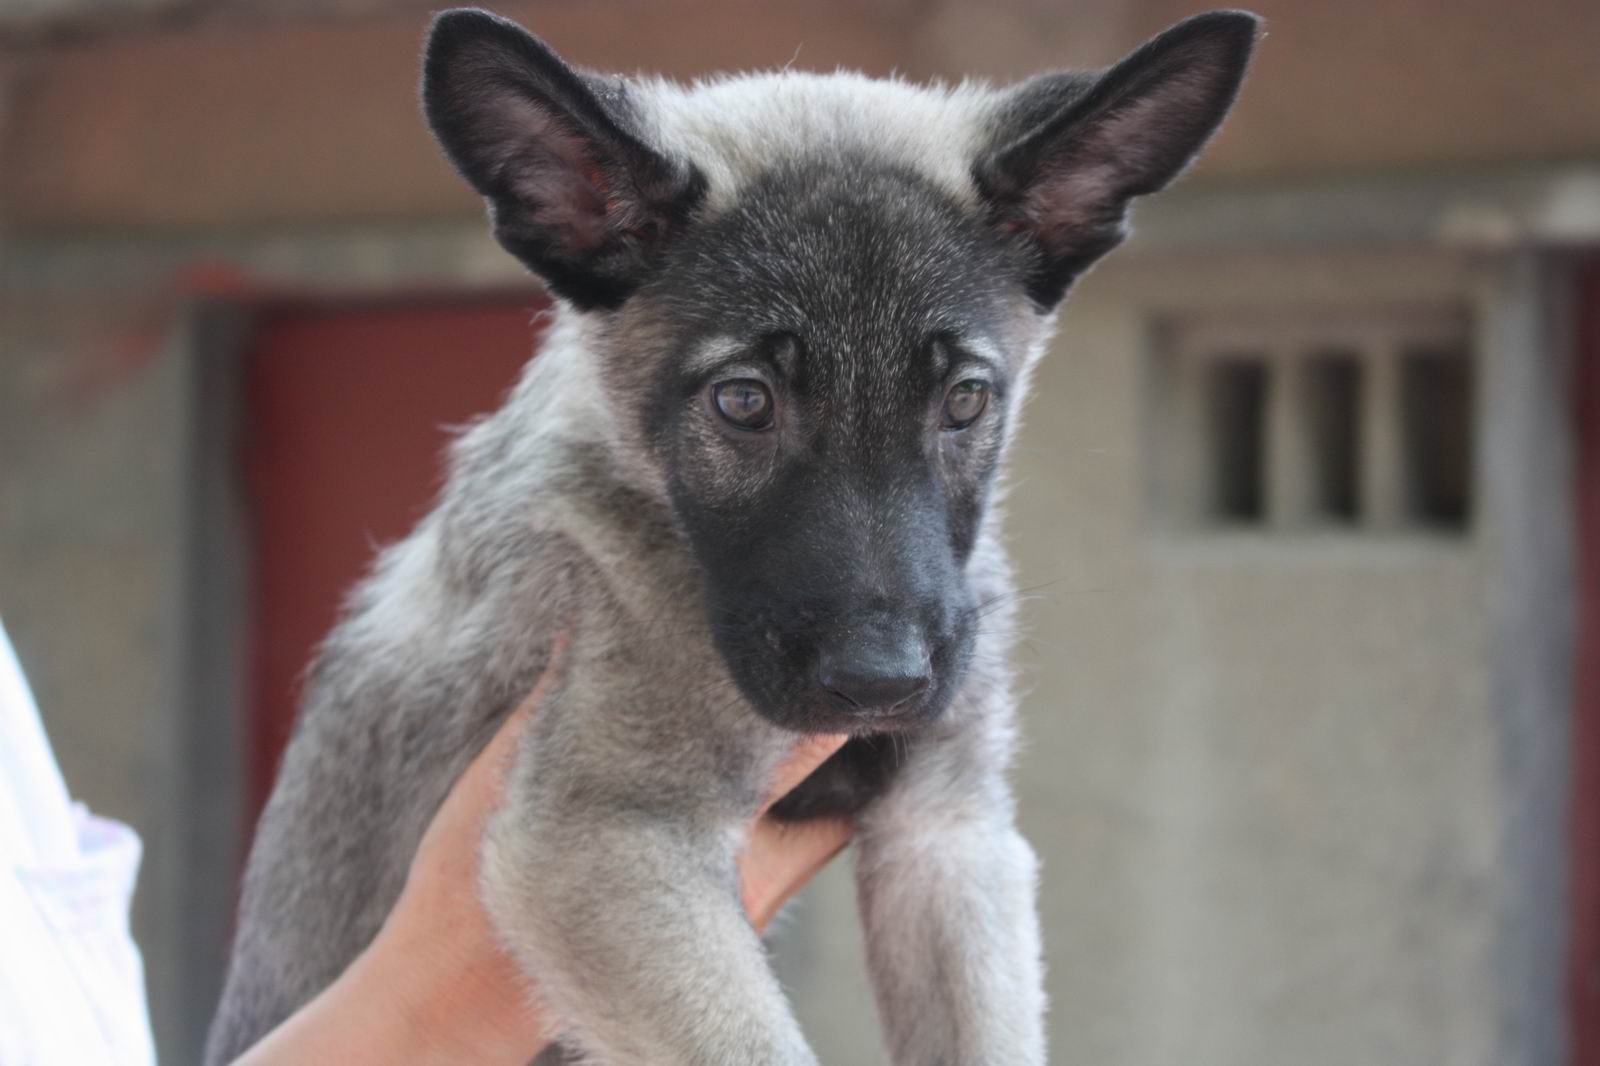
(437, 969)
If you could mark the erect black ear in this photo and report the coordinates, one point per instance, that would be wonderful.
(574, 190)
(1072, 151)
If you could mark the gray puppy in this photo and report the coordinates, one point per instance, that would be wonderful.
(752, 474)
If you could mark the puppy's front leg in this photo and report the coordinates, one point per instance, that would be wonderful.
(632, 931)
(947, 889)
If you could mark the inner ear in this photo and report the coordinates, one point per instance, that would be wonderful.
(574, 188)
(1072, 151)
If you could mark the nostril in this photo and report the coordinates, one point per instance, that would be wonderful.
(840, 693)
(872, 692)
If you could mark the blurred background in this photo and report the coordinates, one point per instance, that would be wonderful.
(1309, 493)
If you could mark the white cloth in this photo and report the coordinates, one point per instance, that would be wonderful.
(71, 980)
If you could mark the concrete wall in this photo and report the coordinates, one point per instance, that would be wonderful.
(120, 587)
(93, 507)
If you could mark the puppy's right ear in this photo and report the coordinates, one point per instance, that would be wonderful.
(1073, 152)
(574, 190)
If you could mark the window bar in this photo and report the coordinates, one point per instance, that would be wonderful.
(1290, 477)
(1191, 470)
(1382, 471)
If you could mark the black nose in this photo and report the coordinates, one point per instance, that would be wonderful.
(875, 676)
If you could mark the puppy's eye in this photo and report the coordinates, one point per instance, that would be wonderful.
(964, 403)
(744, 402)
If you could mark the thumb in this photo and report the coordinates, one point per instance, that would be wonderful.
(810, 752)
(483, 777)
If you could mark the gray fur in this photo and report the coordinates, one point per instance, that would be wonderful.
(839, 211)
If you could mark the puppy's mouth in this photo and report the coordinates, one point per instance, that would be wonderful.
(819, 717)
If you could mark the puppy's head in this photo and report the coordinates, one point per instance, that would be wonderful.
(816, 300)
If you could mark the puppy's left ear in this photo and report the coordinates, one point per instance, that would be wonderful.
(575, 189)
(1071, 153)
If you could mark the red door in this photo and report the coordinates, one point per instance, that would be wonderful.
(1585, 974)
(346, 411)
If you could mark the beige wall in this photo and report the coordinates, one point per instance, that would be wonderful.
(1260, 771)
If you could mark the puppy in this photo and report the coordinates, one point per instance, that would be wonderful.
(752, 473)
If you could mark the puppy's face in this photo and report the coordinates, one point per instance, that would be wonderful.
(845, 349)
(823, 295)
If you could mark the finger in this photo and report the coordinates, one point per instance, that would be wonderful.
(807, 846)
(827, 839)
(781, 859)
(504, 742)
(809, 753)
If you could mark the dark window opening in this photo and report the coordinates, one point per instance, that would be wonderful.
(1236, 403)
(1333, 407)
(1436, 425)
